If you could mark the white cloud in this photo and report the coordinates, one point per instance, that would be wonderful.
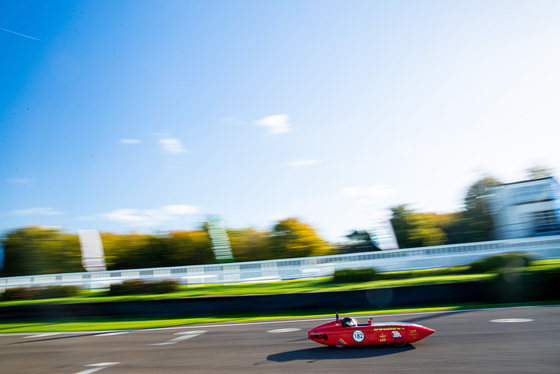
(18, 180)
(172, 146)
(276, 124)
(130, 141)
(368, 194)
(302, 163)
(150, 217)
(36, 212)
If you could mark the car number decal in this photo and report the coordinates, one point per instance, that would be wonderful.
(358, 336)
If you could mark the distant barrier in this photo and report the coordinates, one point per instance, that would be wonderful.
(301, 268)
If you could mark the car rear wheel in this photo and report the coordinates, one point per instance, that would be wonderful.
(402, 344)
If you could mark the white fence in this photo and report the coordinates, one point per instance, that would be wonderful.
(300, 268)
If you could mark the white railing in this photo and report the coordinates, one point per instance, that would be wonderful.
(300, 268)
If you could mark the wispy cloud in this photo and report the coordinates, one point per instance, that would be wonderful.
(36, 212)
(130, 141)
(172, 146)
(18, 180)
(276, 124)
(368, 194)
(302, 163)
(17, 33)
(150, 217)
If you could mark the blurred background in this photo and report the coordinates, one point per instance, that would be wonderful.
(305, 126)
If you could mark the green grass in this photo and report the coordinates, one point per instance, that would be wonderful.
(294, 286)
(392, 279)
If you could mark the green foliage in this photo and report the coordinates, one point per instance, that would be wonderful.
(135, 251)
(291, 238)
(354, 275)
(249, 245)
(135, 287)
(414, 229)
(36, 250)
(50, 292)
(472, 224)
(476, 219)
(500, 262)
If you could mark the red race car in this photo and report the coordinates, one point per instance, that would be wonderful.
(346, 331)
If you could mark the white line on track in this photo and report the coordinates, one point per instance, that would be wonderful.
(42, 335)
(281, 331)
(182, 336)
(97, 367)
(512, 320)
(190, 332)
(112, 333)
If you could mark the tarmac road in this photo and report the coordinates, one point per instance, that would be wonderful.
(516, 340)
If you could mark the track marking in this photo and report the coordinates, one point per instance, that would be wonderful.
(280, 331)
(42, 335)
(512, 320)
(182, 336)
(97, 367)
(112, 333)
(200, 332)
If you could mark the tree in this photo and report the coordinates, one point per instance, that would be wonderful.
(402, 225)
(189, 248)
(36, 250)
(179, 248)
(476, 218)
(414, 229)
(292, 238)
(126, 251)
(249, 245)
(538, 171)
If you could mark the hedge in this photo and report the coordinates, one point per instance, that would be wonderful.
(354, 275)
(49, 292)
(134, 287)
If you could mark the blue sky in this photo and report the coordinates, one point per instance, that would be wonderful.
(148, 115)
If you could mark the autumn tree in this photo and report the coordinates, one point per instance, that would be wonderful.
(126, 251)
(189, 248)
(291, 238)
(37, 250)
(179, 248)
(249, 245)
(538, 171)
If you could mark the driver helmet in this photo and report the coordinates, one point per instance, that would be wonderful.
(347, 321)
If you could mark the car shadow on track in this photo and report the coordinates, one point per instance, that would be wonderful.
(330, 353)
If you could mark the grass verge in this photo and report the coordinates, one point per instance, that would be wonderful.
(294, 286)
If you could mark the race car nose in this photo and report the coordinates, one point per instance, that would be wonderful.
(426, 331)
(419, 333)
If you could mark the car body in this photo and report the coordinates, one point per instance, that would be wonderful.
(347, 332)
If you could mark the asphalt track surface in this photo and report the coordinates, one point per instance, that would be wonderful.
(513, 340)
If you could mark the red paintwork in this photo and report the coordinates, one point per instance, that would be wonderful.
(398, 333)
